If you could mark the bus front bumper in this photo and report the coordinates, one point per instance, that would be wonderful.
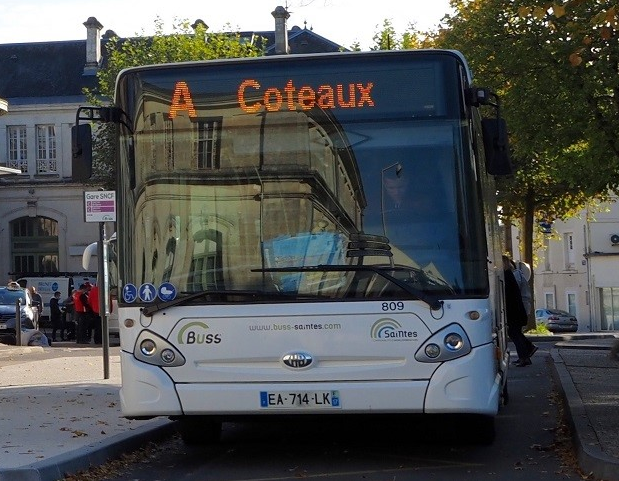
(466, 385)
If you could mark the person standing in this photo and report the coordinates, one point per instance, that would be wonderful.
(82, 314)
(520, 273)
(55, 316)
(37, 305)
(93, 300)
(68, 312)
(516, 316)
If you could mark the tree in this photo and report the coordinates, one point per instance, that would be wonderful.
(187, 42)
(389, 39)
(561, 146)
(589, 34)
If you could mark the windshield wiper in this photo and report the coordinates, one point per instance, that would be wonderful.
(431, 300)
(159, 306)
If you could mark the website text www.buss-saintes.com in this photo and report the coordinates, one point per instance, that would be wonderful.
(310, 326)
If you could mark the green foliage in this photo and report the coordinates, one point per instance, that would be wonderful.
(540, 330)
(184, 44)
(388, 39)
(558, 97)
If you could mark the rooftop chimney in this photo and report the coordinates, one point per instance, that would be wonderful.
(93, 45)
(281, 30)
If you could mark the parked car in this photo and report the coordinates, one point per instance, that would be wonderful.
(8, 300)
(556, 320)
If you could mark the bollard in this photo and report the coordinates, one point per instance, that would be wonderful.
(18, 322)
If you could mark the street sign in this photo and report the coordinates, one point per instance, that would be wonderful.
(100, 206)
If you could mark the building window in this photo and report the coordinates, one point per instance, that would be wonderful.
(34, 245)
(572, 308)
(209, 134)
(549, 300)
(568, 246)
(46, 149)
(206, 271)
(609, 296)
(18, 149)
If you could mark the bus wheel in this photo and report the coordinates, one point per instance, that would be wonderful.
(482, 429)
(198, 430)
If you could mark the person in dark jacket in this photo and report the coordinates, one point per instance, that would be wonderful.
(516, 316)
(55, 316)
(68, 312)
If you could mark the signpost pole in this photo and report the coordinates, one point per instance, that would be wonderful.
(102, 289)
(100, 206)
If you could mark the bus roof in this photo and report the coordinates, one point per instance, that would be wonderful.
(285, 58)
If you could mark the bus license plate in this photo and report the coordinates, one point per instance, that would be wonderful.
(2, 326)
(300, 399)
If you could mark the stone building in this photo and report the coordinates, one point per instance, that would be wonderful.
(578, 272)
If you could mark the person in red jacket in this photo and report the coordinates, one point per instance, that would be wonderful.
(95, 320)
(83, 314)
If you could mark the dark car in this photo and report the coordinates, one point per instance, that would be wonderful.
(556, 320)
(8, 302)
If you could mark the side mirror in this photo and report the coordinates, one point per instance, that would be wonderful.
(81, 143)
(496, 146)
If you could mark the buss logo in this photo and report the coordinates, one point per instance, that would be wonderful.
(387, 329)
(197, 333)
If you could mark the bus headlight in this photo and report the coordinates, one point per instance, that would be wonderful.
(453, 341)
(168, 356)
(432, 351)
(449, 343)
(148, 347)
(148, 344)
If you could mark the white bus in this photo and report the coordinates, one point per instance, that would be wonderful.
(303, 235)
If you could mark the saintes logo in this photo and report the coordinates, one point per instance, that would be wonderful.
(387, 329)
(196, 333)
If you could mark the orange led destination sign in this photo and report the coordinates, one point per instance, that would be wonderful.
(352, 95)
(326, 96)
(181, 100)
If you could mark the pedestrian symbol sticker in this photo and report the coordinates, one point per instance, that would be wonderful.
(147, 292)
(166, 292)
(130, 293)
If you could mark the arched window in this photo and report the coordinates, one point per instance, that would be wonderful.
(34, 245)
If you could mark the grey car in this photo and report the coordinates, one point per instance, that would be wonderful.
(556, 320)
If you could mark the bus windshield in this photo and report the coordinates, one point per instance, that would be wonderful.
(343, 178)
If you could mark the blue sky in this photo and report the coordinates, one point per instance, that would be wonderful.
(343, 21)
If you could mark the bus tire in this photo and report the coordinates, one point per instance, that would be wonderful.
(482, 430)
(198, 430)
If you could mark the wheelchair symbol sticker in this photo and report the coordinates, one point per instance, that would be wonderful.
(130, 293)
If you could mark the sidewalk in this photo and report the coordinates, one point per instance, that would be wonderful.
(589, 382)
(70, 419)
(67, 419)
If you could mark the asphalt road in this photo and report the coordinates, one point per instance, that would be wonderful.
(531, 444)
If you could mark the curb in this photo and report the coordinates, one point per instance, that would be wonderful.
(58, 467)
(591, 458)
(569, 337)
